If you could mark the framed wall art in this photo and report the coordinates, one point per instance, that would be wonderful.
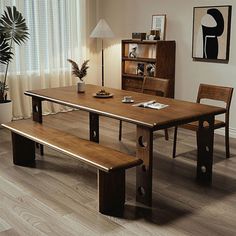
(211, 33)
(159, 23)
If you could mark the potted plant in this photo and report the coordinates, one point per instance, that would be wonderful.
(13, 29)
(80, 73)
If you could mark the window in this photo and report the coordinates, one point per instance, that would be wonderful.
(50, 28)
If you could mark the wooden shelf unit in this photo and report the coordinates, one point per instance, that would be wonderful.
(159, 53)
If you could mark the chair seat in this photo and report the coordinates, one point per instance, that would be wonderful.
(194, 125)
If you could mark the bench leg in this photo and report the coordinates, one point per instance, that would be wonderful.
(111, 192)
(23, 150)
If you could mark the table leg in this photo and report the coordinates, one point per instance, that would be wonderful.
(144, 148)
(205, 141)
(37, 109)
(37, 116)
(94, 127)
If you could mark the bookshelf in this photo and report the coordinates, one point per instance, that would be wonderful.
(152, 58)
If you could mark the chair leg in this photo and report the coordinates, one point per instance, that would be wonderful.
(227, 151)
(120, 130)
(166, 134)
(41, 150)
(175, 140)
(40, 147)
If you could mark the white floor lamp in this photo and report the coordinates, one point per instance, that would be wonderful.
(102, 30)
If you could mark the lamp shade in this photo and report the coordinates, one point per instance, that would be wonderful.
(102, 30)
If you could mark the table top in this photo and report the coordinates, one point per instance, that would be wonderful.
(176, 113)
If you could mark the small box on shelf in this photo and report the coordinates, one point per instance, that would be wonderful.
(138, 36)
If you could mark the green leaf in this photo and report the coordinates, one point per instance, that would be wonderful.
(79, 72)
(13, 26)
(5, 50)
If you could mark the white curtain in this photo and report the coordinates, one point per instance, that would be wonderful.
(57, 32)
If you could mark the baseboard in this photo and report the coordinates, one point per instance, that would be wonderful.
(232, 132)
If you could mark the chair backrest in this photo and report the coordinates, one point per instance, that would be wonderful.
(155, 86)
(214, 92)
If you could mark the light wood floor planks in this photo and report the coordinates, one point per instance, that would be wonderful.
(59, 197)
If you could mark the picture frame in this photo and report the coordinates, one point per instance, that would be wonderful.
(151, 69)
(211, 33)
(159, 23)
(133, 50)
(140, 69)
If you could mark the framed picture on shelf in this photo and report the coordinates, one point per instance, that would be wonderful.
(140, 69)
(159, 23)
(133, 50)
(211, 33)
(151, 68)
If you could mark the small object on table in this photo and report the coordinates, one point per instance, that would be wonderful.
(103, 94)
(127, 99)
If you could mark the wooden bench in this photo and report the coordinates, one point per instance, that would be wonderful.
(111, 164)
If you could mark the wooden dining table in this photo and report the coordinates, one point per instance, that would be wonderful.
(146, 120)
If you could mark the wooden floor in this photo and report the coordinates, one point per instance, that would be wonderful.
(59, 196)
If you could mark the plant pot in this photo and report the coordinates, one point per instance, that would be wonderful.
(81, 87)
(5, 112)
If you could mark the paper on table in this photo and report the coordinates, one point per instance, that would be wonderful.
(151, 104)
(157, 105)
(142, 104)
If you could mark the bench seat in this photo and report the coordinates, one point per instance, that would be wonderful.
(102, 158)
(111, 164)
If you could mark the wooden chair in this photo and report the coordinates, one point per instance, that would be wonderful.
(154, 86)
(212, 92)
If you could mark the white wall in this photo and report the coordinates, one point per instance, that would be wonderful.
(127, 16)
(91, 50)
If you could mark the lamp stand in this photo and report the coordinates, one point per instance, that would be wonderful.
(101, 31)
(102, 92)
(102, 65)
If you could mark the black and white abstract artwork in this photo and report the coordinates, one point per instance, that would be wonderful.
(211, 33)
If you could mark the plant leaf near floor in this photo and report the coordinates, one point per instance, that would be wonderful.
(13, 29)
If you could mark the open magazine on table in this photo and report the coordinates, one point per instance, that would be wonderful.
(151, 104)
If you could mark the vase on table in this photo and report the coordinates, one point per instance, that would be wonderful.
(81, 87)
(80, 73)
